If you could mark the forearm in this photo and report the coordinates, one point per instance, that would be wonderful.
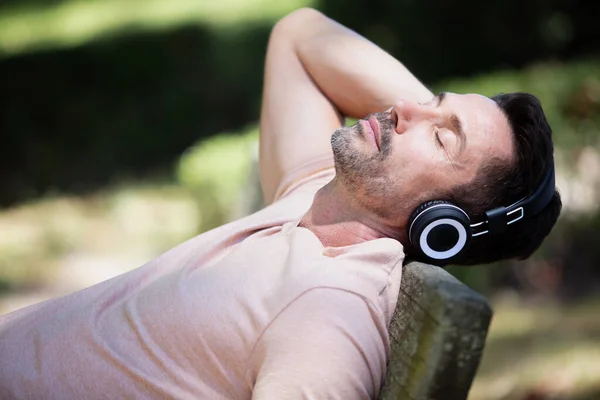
(354, 73)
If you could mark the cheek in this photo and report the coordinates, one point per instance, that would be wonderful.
(418, 139)
(421, 167)
(417, 152)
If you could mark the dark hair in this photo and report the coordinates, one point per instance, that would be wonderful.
(499, 183)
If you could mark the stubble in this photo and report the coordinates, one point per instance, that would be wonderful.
(364, 173)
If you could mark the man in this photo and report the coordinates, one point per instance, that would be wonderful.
(294, 301)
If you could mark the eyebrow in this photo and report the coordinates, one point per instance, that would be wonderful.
(455, 122)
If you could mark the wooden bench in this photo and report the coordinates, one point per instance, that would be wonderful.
(437, 335)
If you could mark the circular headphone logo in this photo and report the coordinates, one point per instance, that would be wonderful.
(426, 243)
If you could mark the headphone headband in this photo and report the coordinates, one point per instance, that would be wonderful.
(535, 203)
(499, 218)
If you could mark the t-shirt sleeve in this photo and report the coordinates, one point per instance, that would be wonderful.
(327, 344)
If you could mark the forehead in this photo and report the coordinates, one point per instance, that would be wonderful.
(485, 125)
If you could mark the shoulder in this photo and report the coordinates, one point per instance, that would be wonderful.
(367, 269)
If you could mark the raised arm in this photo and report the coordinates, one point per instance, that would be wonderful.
(318, 71)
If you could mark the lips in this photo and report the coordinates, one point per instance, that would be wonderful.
(374, 124)
(368, 131)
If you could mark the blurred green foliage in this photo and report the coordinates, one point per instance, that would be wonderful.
(103, 90)
(441, 39)
(85, 117)
(217, 171)
(30, 25)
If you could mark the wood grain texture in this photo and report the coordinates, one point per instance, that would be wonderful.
(437, 335)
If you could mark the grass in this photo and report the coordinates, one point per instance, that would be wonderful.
(543, 349)
(123, 226)
(73, 23)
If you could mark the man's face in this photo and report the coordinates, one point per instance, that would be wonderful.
(393, 161)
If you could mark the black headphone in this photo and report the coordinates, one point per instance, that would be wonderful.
(441, 231)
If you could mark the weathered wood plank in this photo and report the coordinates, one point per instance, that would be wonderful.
(437, 336)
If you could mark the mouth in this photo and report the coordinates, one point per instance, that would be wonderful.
(368, 132)
(376, 129)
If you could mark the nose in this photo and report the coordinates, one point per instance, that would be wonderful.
(407, 113)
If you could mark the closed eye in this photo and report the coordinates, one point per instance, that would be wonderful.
(437, 138)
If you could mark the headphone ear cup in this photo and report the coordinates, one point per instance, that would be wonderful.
(439, 230)
(422, 208)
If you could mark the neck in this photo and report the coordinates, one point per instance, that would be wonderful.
(338, 221)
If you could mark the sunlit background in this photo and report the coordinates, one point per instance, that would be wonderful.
(128, 126)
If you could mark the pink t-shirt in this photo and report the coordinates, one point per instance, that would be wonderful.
(257, 308)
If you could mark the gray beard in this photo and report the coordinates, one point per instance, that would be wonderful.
(362, 174)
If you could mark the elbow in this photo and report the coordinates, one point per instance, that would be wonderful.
(298, 22)
(302, 16)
